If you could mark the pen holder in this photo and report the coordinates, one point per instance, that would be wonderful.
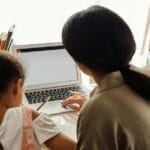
(6, 40)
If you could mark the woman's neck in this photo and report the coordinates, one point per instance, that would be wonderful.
(98, 77)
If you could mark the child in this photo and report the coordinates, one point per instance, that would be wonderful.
(22, 128)
(117, 114)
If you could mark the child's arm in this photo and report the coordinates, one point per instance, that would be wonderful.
(58, 142)
(61, 142)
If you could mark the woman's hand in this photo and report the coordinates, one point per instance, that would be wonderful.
(75, 100)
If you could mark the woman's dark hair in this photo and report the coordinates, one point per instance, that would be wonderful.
(101, 40)
(1, 147)
(10, 70)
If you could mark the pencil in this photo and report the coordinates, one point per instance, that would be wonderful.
(46, 100)
(9, 36)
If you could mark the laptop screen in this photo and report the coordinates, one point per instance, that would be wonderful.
(47, 65)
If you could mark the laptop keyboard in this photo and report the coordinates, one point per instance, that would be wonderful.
(56, 94)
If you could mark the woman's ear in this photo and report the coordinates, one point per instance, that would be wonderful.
(85, 69)
(18, 84)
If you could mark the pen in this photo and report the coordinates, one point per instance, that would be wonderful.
(9, 37)
(47, 99)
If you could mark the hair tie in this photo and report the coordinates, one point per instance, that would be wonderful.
(124, 68)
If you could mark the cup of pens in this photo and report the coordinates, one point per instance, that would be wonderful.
(6, 40)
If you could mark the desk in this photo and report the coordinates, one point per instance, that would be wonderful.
(67, 123)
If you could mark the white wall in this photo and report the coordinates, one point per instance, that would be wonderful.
(38, 20)
(42, 20)
(135, 13)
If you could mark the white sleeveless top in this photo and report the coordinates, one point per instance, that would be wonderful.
(11, 129)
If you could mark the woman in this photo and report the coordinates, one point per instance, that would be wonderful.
(117, 114)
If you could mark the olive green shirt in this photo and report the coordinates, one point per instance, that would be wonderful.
(114, 118)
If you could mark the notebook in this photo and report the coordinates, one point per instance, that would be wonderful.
(50, 71)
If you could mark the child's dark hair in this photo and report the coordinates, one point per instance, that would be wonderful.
(10, 70)
(100, 39)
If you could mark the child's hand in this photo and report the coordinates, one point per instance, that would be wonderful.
(35, 114)
(75, 101)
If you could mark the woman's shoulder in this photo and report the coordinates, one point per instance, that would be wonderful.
(96, 107)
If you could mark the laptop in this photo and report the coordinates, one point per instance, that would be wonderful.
(50, 72)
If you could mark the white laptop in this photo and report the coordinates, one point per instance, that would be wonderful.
(50, 71)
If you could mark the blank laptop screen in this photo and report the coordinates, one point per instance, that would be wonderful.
(48, 66)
